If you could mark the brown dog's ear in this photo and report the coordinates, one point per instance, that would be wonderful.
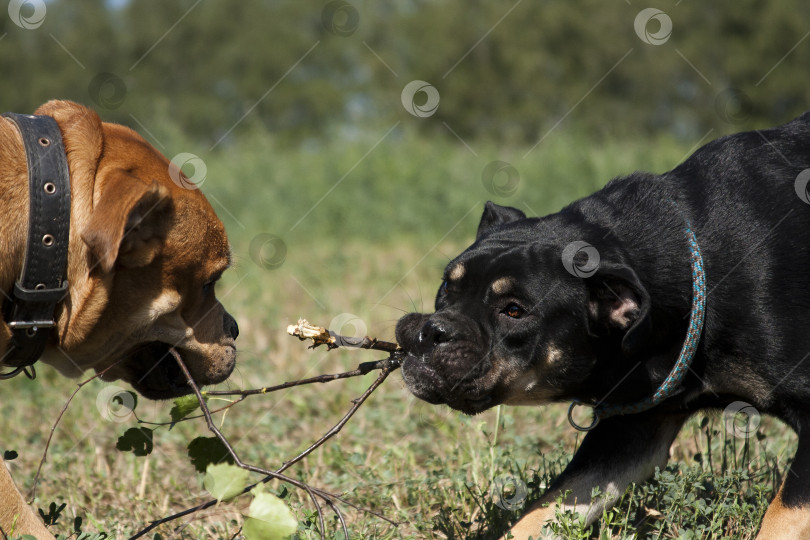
(619, 303)
(129, 223)
(495, 215)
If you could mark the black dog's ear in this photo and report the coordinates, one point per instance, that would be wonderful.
(495, 215)
(619, 303)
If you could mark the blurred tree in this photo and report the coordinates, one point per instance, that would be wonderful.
(504, 71)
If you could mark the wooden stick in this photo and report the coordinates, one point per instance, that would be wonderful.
(391, 363)
(320, 336)
(304, 330)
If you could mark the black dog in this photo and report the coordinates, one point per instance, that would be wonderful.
(592, 305)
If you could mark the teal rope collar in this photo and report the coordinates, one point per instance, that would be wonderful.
(676, 376)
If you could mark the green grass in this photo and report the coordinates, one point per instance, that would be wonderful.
(375, 247)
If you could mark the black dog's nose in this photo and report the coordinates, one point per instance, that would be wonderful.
(432, 334)
(230, 326)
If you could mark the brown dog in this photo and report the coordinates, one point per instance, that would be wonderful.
(143, 255)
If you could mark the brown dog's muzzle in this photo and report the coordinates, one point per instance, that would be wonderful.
(153, 371)
(152, 368)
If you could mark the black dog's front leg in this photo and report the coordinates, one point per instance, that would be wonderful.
(616, 452)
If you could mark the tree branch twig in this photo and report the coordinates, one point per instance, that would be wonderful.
(320, 336)
(304, 330)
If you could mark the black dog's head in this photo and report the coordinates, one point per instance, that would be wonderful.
(524, 316)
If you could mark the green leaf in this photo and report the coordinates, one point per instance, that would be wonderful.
(224, 481)
(53, 515)
(268, 517)
(183, 406)
(137, 440)
(203, 451)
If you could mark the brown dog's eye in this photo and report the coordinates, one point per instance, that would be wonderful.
(514, 311)
(209, 285)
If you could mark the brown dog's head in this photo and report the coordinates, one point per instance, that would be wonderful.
(145, 252)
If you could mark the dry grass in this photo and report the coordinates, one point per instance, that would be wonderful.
(369, 251)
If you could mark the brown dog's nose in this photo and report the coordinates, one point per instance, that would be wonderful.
(230, 326)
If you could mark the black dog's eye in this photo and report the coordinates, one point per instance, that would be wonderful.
(443, 288)
(514, 311)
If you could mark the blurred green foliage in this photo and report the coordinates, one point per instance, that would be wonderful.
(508, 72)
(295, 107)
